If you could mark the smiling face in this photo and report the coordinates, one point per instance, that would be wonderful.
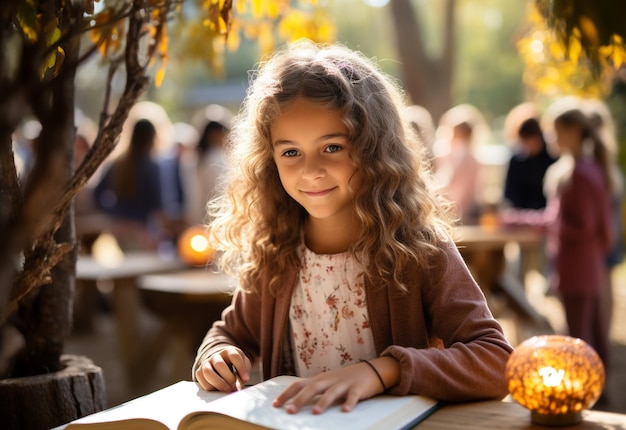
(312, 154)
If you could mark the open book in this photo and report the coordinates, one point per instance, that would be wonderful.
(184, 406)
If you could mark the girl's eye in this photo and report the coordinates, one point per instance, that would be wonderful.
(333, 148)
(290, 153)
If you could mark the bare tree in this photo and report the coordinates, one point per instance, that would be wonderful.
(427, 80)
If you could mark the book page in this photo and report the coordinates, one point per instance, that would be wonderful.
(184, 403)
(167, 406)
(254, 404)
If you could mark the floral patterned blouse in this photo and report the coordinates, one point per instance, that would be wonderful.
(328, 314)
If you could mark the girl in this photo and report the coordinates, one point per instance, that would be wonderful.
(347, 273)
(130, 191)
(580, 227)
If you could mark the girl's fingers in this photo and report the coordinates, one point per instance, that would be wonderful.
(202, 376)
(302, 397)
(242, 366)
(348, 384)
(352, 399)
(329, 397)
(219, 373)
(287, 394)
(299, 394)
(223, 370)
(201, 381)
(225, 374)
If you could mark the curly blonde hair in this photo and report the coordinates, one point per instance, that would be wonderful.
(258, 226)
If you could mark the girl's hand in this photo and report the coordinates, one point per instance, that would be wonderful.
(225, 370)
(351, 383)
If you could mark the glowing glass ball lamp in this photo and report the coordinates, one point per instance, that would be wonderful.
(194, 247)
(555, 377)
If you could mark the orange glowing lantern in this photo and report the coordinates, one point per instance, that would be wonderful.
(194, 247)
(555, 377)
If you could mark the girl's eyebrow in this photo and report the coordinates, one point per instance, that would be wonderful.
(282, 142)
(319, 139)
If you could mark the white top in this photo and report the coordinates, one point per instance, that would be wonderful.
(328, 314)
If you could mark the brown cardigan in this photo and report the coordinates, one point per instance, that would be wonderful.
(441, 331)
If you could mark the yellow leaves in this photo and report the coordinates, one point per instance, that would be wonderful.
(574, 49)
(107, 33)
(219, 15)
(160, 75)
(297, 24)
(240, 7)
(159, 39)
(28, 20)
(589, 30)
(234, 39)
(39, 28)
(294, 25)
(269, 21)
(222, 23)
(200, 41)
(615, 52)
(162, 44)
(262, 9)
(54, 59)
(207, 28)
(556, 67)
(265, 38)
(257, 8)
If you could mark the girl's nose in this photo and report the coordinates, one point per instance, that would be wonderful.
(312, 168)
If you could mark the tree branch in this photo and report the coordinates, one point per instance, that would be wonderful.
(49, 199)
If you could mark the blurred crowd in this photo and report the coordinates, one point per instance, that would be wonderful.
(156, 182)
(555, 170)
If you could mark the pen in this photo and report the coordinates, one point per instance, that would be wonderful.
(238, 383)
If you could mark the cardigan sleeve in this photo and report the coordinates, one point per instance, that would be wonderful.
(239, 326)
(471, 363)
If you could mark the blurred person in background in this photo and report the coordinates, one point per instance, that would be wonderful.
(130, 192)
(214, 123)
(579, 222)
(582, 234)
(456, 166)
(523, 186)
(177, 170)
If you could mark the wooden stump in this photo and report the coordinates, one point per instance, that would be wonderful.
(46, 401)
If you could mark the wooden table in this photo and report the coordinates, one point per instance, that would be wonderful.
(494, 238)
(483, 249)
(187, 302)
(508, 416)
(488, 415)
(126, 301)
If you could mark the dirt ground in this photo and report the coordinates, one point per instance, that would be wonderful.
(100, 344)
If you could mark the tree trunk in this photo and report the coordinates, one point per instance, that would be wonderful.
(53, 399)
(427, 80)
(45, 318)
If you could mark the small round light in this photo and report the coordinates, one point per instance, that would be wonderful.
(194, 247)
(555, 377)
